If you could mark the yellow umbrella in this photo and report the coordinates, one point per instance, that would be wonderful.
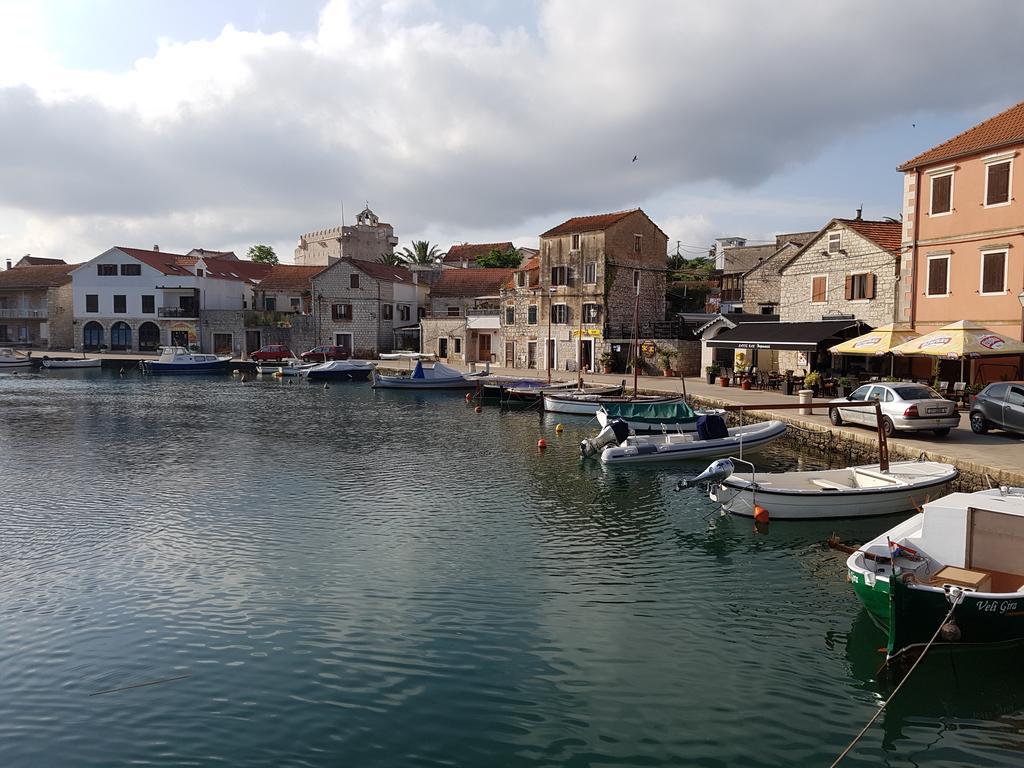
(960, 340)
(877, 342)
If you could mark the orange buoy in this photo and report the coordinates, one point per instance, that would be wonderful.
(478, 409)
(760, 514)
(469, 397)
(542, 444)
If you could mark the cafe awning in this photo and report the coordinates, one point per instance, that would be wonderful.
(791, 336)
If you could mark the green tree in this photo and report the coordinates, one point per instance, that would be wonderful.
(509, 259)
(391, 259)
(262, 254)
(422, 252)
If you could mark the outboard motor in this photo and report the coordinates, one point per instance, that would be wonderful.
(616, 432)
(716, 472)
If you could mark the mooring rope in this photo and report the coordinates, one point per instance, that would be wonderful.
(910, 671)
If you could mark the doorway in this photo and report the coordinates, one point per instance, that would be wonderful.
(510, 354)
(531, 354)
(344, 340)
(551, 355)
(442, 347)
(180, 339)
(485, 348)
(587, 355)
(252, 341)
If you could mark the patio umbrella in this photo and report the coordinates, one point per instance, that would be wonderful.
(961, 340)
(880, 341)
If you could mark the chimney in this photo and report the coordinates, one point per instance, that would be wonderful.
(859, 212)
(8, 263)
(156, 248)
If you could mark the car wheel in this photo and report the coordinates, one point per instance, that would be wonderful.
(979, 424)
(941, 432)
(835, 417)
(888, 427)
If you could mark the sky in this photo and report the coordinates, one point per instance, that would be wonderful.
(220, 125)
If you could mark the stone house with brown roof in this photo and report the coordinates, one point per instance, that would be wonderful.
(286, 288)
(761, 283)
(462, 324)
(36, 304)
(464, 256)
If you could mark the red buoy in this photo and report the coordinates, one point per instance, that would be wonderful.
(760, 514)
(542, 444)
(469, 397)
(478, 409)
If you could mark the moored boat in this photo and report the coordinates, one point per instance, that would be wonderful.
(646, 417)
(831, 493)
(178, 360)
(678, 446)
(79, 362)
(9, 359)
(507, 390)
(961, 553)
(587, 403)
(339, 370)
(286, 368)
(436, 376)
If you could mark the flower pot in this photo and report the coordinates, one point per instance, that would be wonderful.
(745, 384)
(787, 387)
(723, 381)
(669, 372)
(711, 379)
(608, 369)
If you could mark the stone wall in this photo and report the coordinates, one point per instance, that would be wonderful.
(371, 332)
(762, 285)
(60, 317)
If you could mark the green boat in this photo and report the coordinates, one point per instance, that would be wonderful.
(963, 553)
(642, 418)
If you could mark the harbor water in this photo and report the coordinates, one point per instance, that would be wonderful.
(200, 571)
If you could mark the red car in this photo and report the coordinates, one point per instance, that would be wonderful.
(326, 352)
(275, 352)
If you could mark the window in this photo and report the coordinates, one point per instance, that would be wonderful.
(1015, 396)
(938, 276)
(521, 279)
(510, 315)
(819, 289)
(106, 270)
(993, 272)
(92, 302)
(353, 280)
(442, 347)
(860, 286)
(732, 288)
(131, 270)
(590, 273)
(559, 314)
(120, 304)
(638, 243)
(942, 194)
(199, 272)
(453, 311)
(269, 303)
(148, 304)
(403, 312)
(531, 315)
(341, 311)
(997, 183)
(295, 302)
(575, 242)
(767, 309)
(387, 312)
(222, 344)
(591, 313)
(458, 345)
(560, 275)
(835, 241)
(636, 278)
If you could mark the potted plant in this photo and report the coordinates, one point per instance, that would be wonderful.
(787, 383)
(842, 386)
(812, 381)
(666, 356)
(606, 360)
(709, 371)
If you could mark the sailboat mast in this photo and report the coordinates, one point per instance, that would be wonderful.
(636, 335)
(579, 336)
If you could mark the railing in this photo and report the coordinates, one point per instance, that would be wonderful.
(20, 312)
(661, 329)
(483, 312)
(176, 312)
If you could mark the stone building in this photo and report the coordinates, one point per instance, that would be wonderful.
(761, 284)
(286, 288)
(463, 324)
(589, 271)
(367, 307)
(368, 240)
(36, 303)
(464, 256)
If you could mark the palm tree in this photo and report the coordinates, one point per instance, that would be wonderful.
(391, 259)
(422, 252)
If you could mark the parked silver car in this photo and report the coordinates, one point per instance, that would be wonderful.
(905, 406)
(999, 406)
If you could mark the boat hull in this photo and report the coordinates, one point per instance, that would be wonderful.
(154, 366)
(406, 382)
(554, 403)
(88, 363)
(351, 374)
(669, 448)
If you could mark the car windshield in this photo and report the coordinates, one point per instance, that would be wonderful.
(917, 393)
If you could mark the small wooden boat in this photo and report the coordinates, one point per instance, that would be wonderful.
(587, 403)
(678, 446)
(339, 370)
(11, 360)
(648, 417)
(78, 362)
(960, 553)
(287, 368)
(508, 390)
(826, 493)
(178, 360)
(436, 376)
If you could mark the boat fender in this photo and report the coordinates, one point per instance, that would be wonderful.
(469, 397)
(760, 514)
(950, 632)
(716, 472)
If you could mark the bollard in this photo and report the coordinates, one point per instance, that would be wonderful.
(805, 396)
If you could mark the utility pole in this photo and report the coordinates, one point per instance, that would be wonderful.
(549, 351)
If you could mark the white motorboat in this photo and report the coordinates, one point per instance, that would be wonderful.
(339, 370)
(653, 417)
(587, 403)
(436, 376)
(78, 362)
(677, 446)
(11, 360)
(285, 368)
(179, 360)
(826, 493)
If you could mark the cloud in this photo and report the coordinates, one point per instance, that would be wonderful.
(454, 127)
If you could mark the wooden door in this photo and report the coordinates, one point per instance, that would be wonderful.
(510, 354)
(485, 348)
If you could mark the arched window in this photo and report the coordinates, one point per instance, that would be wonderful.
(120, 335)
(149, 337)
(92, 335)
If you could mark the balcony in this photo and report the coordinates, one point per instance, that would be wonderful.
(191, 314)
(23, 313)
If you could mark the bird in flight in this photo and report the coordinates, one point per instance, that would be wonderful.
(634, 158)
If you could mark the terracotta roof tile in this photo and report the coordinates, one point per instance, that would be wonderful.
(237, 269)
(887, 234)
(283, 277)
(168, 263)
(37, 261)
(588, 223)
(380, 271)
(485, 281)
(1005, 128)
(42, 276)
(471, 251)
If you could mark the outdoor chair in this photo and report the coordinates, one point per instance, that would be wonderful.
(944, 388)
(959, 392)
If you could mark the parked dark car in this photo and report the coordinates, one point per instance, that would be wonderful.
(999, 406)
(275, 352)
(326, 352)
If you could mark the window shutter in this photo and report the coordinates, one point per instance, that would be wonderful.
(869, 286)
(849, 287)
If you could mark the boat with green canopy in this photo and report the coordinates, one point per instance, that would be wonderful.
(653, 417)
